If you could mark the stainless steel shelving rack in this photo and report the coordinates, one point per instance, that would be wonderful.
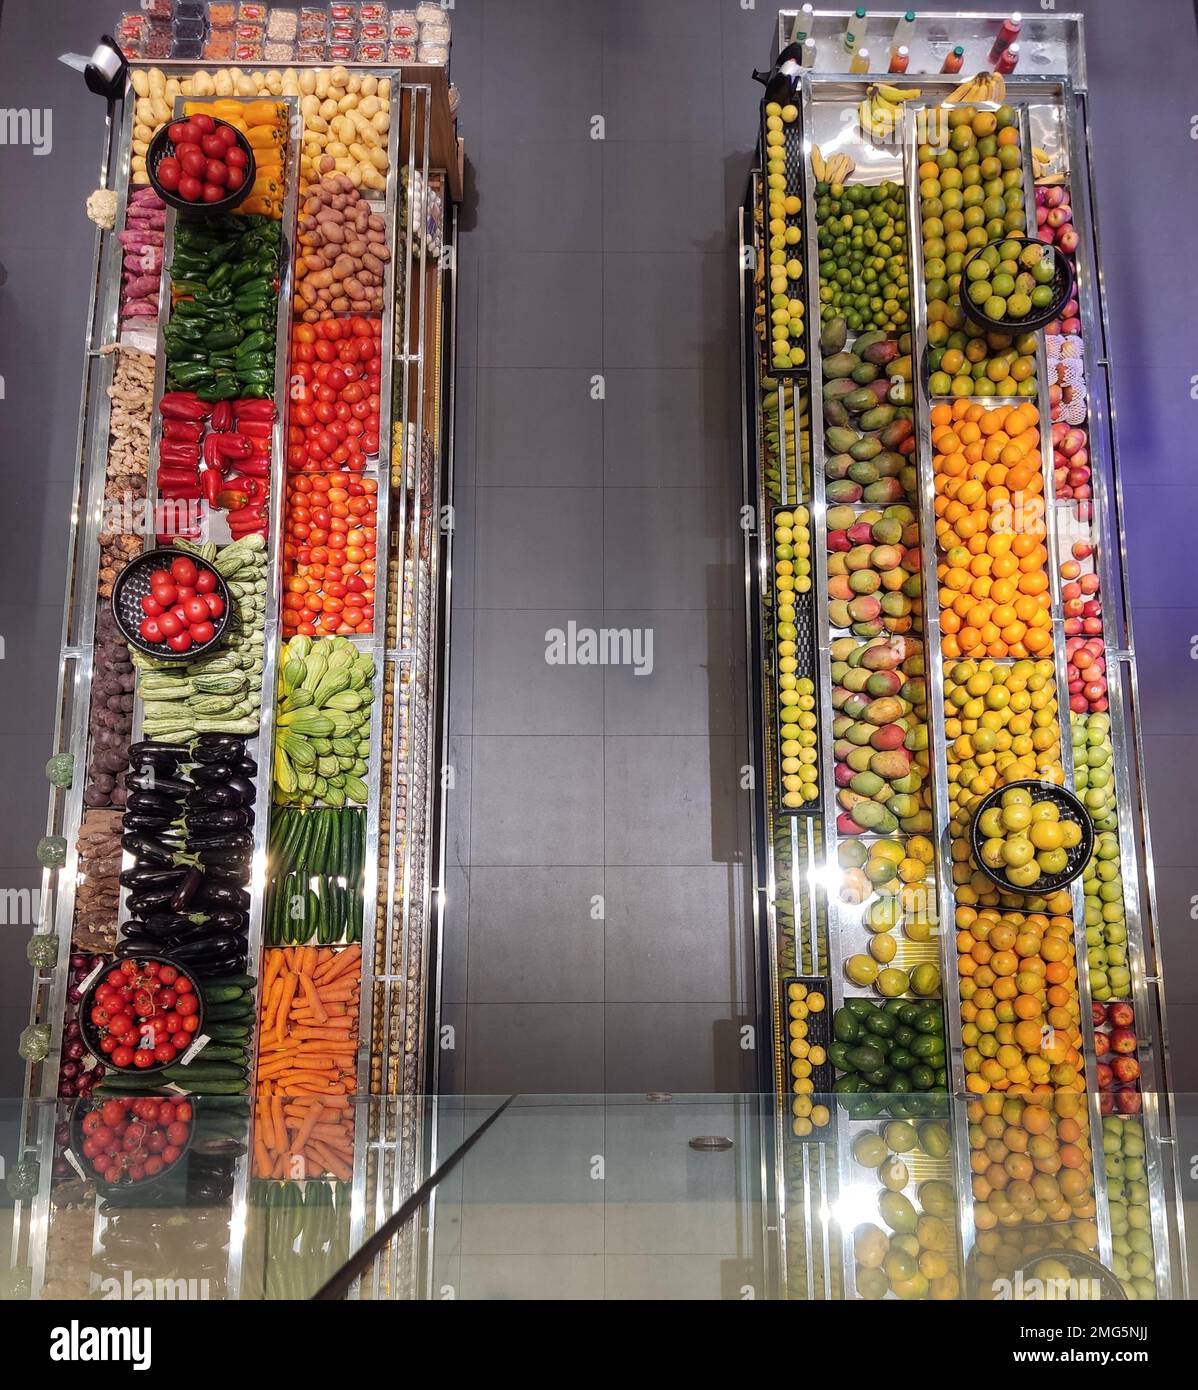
(1053, 111)
(416, 398)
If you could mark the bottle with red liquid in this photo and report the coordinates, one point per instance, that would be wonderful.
(954, 61)
(899, 58)
(1006, 36)
(1008, 60)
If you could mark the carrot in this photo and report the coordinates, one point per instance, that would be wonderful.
(274, 963)
(334, 968)
(285, 1005)
(313, 999)
(310, 1122)
(271, 1008)
(332, 1163)
(261, 1158)
(278, 1124)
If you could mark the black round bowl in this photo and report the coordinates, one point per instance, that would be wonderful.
(90, 1033)
(1062, 290)
(162, 147)
(133, 583)
(1080, 1269)
(1071, 808)
(117, 1189)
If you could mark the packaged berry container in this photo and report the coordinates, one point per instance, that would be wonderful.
(191, 9)
(405, 27)
(129, 29)
(247, 53)
(157, 9)
(342, 31)
(401, 53)
(187, 28)
(339, 52)
(371, 52)
(250, 12)
(187, 48)
(339, 11)
(157, 41)
(249, 33)
(371, 13)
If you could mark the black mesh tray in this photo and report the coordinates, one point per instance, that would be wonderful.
(804, 640)
(819, 1034)
(796, 184)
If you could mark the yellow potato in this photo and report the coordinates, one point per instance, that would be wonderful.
(370, 85)
(223, 83)
(141, 81)
(307, 82)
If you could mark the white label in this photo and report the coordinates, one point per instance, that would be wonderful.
(178, 1090)
(87, 1061)
(86, 984)
(68, 1154)
(194, 1050)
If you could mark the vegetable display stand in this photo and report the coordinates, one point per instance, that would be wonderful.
(164, 783)
(939, 622)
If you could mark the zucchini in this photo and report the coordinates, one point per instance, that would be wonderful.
(222, 994)
(202, 1070)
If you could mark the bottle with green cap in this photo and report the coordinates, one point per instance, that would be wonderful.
(854, 30)
(904, 32)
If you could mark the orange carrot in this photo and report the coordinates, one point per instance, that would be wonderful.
(313, 1000)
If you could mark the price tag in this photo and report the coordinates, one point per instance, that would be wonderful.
(86, 983)
(68, 1154)
(195, 1049)
(88, 1061)
(178, 1090)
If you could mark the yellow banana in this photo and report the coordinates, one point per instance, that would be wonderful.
(818, 166)
(895, 95)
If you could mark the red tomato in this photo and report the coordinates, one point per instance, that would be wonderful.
(150, 629)
(167, 625)
(196, 610)
(202, 632)
(213, 192)
(190, 189)
(203, 123)
(184, 571)
(165, 1052)
(122, 1056)
(176, 1133)
(205, 582)
(168, 974)
(193, 163)
(164, 594)
(169, 174)
(143, 1058)
(178, 131)
(213, 146)
(216, 173)
(154, 1164)
(150, 607)
(180, 642)
(234, 175)
(112, 1112)
(228, 138)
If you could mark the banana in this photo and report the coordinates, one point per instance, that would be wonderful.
(1042, 155)
(895, 96)
(959, 94)
(818, 166)
(1000, 86)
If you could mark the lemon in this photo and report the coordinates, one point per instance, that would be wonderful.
(891, 982)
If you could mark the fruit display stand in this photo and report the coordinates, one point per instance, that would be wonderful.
(884, 871)
(397, 853)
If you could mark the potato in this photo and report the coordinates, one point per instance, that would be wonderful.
(338, 76)
(274, 83)
(246, 87)
(163, 110)
(141, 81)
(202, 83)
(173, 88)
(381, 122)
(223, 83)
(354, 83)
(385, 87)
(157, 81)
(187, 87)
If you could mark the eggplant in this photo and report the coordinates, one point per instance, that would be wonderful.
(153, 782)
(236, 742)
(150, 901)
(230, 839)
(213, 774)
(226, 873)
(214, 947)
(224, 895)
(213, 798)
(142, 879)
(190, 885)
(147, 850)
(186, 931)
(139, 824)
(247, 767)
(249, 793)
(228, 920)
(228, 860)
(163, 923)
(226, 818)
(152, 803)
(135, 943)
(151, 751)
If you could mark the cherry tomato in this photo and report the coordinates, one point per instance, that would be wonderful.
(122, 1056)
(180, 642)
(168, 174)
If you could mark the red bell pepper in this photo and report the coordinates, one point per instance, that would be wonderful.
(178, 453)
(183, 405)
(256, 466)
(213, 459)
(210, 486)
(182, 429)
(254, 408)
(173, 473)
(255, 429)
(222, 417)
(233, 446)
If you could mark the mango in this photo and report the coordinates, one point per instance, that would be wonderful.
(839, 439)
(843, 490)
(840, 364)
(867, 448)
(877, 418)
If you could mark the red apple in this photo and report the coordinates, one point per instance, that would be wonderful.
(1120, 1014)
(1068, 240)
(1126, 1070)
(1128, 1101)
(1082, 550)
(1123, 1040)
(1097, 1015)
(1105, 1076)
(1106, 1103)
(1102, 1044)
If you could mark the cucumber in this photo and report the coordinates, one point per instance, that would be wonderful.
(219, 1052)
(203, 1071)
(209, 1086)
(230, 1013)
(223, 993)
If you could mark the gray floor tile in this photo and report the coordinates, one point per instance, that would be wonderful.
(534, 936)
(37, 550)
(1144, 328)
(671, 800)
(537, 801)
(669, 428)
(447, 1269)
(465, 544)
(465, 399)
(517, 690)
(468, 281)
(461, 672)
(563, 1278)
(1161, 567)
(683, 1048)
(539, 428)
(649, 93)
(540, 309)
(675, 934)
(1183, 1024)
(1168, 678)
(535, 1049)
(539, 195)
(538, 546)
(660, 309)
(530, 1187)
(23, 818)
(690, 687)
(31, 656)
(1175, 892)
(669, 1278)
(457, 804)
(661, 195)
(452, 1052)
(455, 936)
(670, 548)
(1172, 767)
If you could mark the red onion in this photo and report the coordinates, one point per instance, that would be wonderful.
(68, 1070)
(74, 1049)
(78, 962)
